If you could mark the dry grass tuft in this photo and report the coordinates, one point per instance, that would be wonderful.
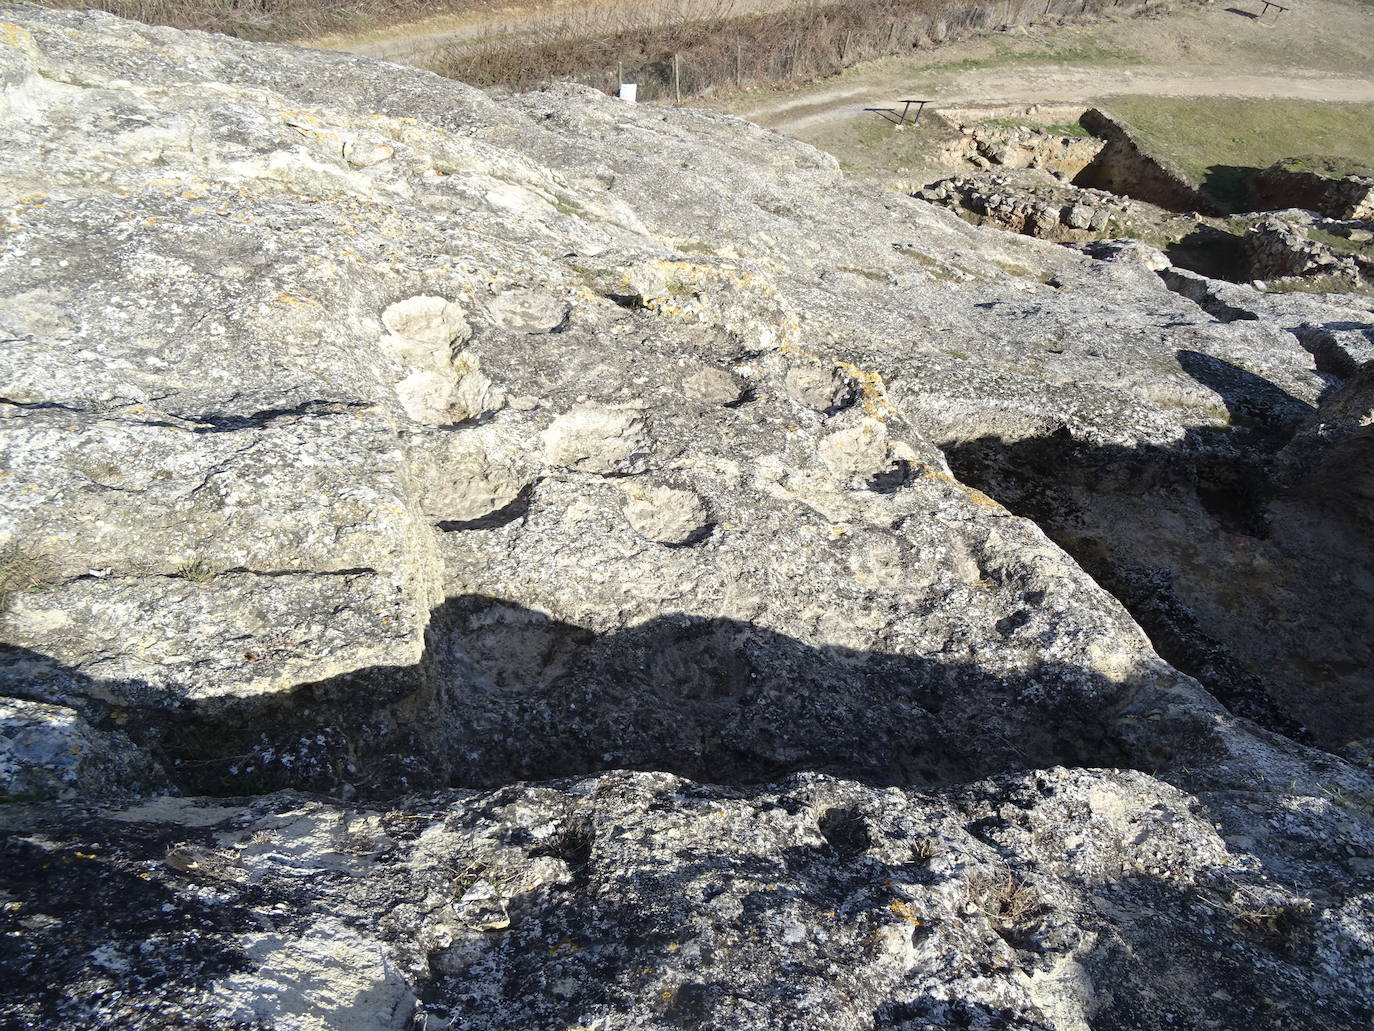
(1009, 904)
(22, 572)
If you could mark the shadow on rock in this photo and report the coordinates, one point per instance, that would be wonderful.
(1268, 415)
(1262, 590)
(89, 922)
(505, 693)
(1229, 186)
(1210, 252)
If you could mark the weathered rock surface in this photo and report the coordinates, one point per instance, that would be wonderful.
(1054, 899)
(1287, 250)
(365, 436)
(1298, 245)
(1036, 204)
(983, 143)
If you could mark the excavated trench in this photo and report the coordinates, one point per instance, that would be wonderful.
(1211, 227)
(1257, 587)
(1128, 169)
(1079, 493)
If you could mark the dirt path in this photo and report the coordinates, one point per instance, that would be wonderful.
(1031, 84)
(1318, 52)
(1321, 52)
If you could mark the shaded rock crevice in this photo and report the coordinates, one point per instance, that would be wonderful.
(1199, 541)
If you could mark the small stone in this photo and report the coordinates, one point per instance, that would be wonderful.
(713, 387)
(366, 153)
(858, 451)
(820, 389)
(426, 397)
(1080, 216)
(430, 321)
(463, 485)
(444, 397)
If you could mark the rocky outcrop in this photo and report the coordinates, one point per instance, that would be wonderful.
(1053, 899)
(376, 441)
(1291, 249)
(1040, 205)
(1283, 247)
(1031, 203)
(987, 144)
(1331, 458)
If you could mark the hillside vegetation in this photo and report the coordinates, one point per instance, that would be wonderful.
(721, 48)
(1221, 141)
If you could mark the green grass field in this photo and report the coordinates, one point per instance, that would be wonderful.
(1220, 141)
(871, 145)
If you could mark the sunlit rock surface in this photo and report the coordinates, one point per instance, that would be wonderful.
(368, 436)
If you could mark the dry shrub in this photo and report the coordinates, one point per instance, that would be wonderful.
(718, 48)
(669, 51)
(266, 20)
(1009, 905)
(22, 572)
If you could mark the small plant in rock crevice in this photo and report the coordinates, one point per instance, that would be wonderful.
(925, 849)
(197, 571)
(572, 843)
(1284, 925)
(1010, 905)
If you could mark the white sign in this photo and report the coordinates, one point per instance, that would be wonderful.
(628, 91)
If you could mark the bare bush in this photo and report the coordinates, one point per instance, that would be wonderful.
(265, 20)
(670, 49)
(721, 49)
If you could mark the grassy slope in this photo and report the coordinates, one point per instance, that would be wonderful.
(1219, 140)
(872, 145)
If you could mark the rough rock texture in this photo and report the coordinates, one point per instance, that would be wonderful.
(366, 436)
(1055, 899)
(1293, 249)
(1281, 247)
(1332, 457)
(1035, 204)
(1017, 146)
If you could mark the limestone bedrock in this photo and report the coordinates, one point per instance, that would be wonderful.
(471, 564)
